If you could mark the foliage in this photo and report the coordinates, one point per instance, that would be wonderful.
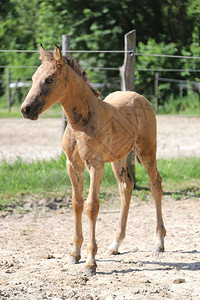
(153, 62)
(188, 105)
(162, 26)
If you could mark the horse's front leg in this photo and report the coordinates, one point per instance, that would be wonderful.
(92, 209)
(75, 171)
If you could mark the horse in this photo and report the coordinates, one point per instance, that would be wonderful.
(97, 132)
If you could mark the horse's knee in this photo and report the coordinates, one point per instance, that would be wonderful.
(77, 206)
(92, 209)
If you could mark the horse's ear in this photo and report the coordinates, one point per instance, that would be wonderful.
(57, 55)
(42, 52)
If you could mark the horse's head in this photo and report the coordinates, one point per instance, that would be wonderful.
(48, 84)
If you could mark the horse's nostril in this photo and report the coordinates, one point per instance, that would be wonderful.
(27, 110)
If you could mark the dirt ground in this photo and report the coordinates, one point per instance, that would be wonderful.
(34, 249)
(35, 241)
(30, 140)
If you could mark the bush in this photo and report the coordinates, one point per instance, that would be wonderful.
(189, 105)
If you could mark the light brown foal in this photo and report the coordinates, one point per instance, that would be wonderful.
(97, 132)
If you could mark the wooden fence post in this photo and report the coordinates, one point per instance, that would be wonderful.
(65, 52)
(128, 81)
(8, 90)
(127, 70)
(156, 92)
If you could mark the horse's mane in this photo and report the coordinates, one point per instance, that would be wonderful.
(74, 65)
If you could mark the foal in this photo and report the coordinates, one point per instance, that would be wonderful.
(97, 132)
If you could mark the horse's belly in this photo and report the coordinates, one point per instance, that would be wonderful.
(121, 143)
(117, 153)
(118, 135)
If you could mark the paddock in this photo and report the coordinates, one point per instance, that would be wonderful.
(35, 245)
(35, 248)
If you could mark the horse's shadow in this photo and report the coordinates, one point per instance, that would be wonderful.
(190, 192)
(160, 266)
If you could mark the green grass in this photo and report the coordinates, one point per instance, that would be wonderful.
(52, 112)
(44, 178)
(5, 114)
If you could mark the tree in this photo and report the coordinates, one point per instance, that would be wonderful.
(162, 25)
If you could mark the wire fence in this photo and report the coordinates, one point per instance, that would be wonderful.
(114, 81)
(114, 69)
(113, 51)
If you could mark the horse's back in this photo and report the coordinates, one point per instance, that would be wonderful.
(139, 114)
(132, 103)
(130, 99)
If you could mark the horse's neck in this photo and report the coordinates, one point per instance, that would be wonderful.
(79, 104)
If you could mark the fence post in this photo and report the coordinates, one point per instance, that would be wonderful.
(127, 70)
(12, 98)
(65, 52)
(128, 82)
(156, 92)
(8, 90)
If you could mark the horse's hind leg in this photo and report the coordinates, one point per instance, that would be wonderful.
(150, 164)
(125, 184)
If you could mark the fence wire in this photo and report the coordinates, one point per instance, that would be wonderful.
(116, 69)
(110, 51)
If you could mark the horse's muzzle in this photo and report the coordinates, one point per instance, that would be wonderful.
(31, 109)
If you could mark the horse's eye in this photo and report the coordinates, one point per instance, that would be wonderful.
(48, 80)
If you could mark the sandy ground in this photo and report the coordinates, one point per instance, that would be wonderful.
(36, 239)
(30, 140)
(34, 251)
(177, 137)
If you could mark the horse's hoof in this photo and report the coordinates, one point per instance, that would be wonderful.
(158, 249)
(113, 252)
(90, 271)
(113, 249)
(72, 260)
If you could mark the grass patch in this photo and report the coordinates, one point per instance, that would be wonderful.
(14, 114)
(180, 171)
(53, 112)
(33, 177)
(180, 177)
